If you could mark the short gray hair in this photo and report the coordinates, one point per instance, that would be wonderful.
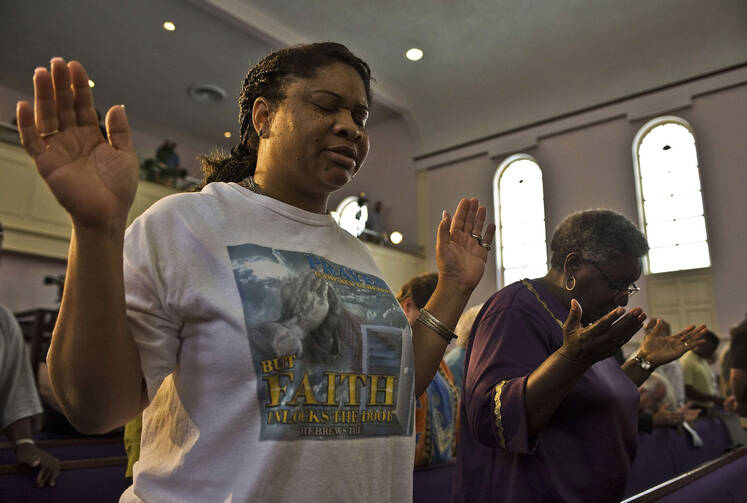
(464, 325)
(599, 235)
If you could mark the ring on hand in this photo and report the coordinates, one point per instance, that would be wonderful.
(477, 237)
(686, 344)
(47, 135)
(485, 245)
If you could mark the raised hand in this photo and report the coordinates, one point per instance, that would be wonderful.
(94, 180)
(660, 349)
(600, 340)
(460, 256)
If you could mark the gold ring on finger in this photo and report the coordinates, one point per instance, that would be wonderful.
(47, 135)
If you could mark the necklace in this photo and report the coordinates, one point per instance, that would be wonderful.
(250, 184)
(531, 288)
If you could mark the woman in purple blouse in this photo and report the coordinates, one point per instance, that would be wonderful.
(547, 413)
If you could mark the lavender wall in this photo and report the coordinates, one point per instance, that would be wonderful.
(591, 166)
(22, 281)
(720, 123)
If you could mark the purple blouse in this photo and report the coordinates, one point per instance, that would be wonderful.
(585, 451)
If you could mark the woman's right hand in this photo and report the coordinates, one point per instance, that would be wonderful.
(602, 339)
(94, 180)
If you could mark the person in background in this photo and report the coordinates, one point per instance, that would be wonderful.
(455, 358)
(700, 382)
(655, 411)
(436, 410)
(19, 400)
(133, 432)
(375, 224)
(738, 370)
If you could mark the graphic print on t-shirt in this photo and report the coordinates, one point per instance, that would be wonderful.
(330, 345)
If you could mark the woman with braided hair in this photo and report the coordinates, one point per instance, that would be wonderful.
(270, 360)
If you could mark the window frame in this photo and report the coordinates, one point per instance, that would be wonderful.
(497, 211)
(640, 135)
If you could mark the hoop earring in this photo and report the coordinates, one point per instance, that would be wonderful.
(573, 283)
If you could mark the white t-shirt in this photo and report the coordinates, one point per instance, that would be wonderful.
(278, 363)
(18, 396)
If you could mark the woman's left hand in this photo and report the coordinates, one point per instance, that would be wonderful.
(660, 349)
(460, 255)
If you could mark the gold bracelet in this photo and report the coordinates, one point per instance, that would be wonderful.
(434, 324)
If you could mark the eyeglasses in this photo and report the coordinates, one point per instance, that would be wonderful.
(614, 285)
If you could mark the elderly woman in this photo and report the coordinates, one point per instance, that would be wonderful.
(274, 362)
(548, 414)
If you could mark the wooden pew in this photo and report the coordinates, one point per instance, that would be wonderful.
(723, 479)
(93, 480)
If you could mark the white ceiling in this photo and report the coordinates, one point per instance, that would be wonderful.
(489, 66)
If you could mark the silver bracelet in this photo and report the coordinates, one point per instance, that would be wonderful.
(434, 324)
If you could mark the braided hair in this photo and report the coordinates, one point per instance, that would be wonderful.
(268, 79)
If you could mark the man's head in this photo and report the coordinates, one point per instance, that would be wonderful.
(708, 349)
(414, 294)
(653, 390)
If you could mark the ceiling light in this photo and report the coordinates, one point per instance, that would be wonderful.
(169, 26)
(91, 83)
(208, 94)
(414, 54)
(395, 237)
(227, 134)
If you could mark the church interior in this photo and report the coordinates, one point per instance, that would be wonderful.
(538, 109)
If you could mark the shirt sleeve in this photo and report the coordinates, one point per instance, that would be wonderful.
(154, 324)
(507, 347)
(18, 395)
(688, 371)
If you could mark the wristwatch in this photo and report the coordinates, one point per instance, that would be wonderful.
(643, 363)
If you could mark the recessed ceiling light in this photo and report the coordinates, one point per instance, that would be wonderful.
(395, 237)
(414, 54)
(91, 83)
(208, 94)
(227, 134)
(169, 26)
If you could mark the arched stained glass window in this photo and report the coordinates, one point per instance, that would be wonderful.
(670, 202)
(520, 214)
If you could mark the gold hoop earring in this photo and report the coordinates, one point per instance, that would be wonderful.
(572, 282)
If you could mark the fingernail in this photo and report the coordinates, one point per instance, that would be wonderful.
(443, 215)
(57, 58)
(122, 105)
(39, 68)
